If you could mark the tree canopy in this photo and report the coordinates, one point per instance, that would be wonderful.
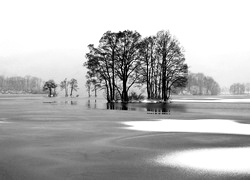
(238, 88)
(73, 86)
(64, 86)
(50, 85)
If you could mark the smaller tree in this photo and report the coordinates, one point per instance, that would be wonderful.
(50, 85)
(73, 86)
(96, 86)
(64, 86)
(88, 86)
(247, 88)
(237, 88)
(200, 84)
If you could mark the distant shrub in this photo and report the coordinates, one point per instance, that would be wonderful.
(134, 96)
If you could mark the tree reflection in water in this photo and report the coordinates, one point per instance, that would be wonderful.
(150, 108)
(71, 102)
(118, 106)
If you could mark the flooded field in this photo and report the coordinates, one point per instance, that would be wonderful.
(81, 138)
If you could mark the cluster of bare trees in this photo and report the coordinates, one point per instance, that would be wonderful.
(199, 84)
(92, 84)
(34, 85)
(239, 88)
(17, 84)
(124, 60)
(65, 85)
(72, 85)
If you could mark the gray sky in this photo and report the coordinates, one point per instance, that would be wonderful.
(49, 38)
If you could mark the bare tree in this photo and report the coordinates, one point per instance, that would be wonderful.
(88, 86)
(73, 86)
(128, 64)
(116, 56)
(237, 89)
(64, 86)
(247, 88)
(50, 85)
(173, 68)
(99, 66)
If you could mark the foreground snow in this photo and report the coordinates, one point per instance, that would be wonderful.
(195, 126)
(217, 160)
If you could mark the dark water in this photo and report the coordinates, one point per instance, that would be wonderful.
(150, 108)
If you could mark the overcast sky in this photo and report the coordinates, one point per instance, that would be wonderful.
(49, 38)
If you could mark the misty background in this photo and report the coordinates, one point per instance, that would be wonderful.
(48, 39)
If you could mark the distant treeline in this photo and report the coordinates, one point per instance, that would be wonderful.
(21, 85)
(239, 88)
(199, 84)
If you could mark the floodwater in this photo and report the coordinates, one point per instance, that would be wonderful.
(191, 136)
(100, 103)
(206, 106)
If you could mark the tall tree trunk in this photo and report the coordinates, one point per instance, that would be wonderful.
(107, 91)
(113, 75)
(89, 91)
(167, 91)
(163, 83)
(109, 85)
(50, 92)
(124, 94)
(54, 94)
(164, 73)
(95, 91)
(151, 72)
(124, 90)
(66, 91)
(148, 78)
(110, 88)
(71, 91)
